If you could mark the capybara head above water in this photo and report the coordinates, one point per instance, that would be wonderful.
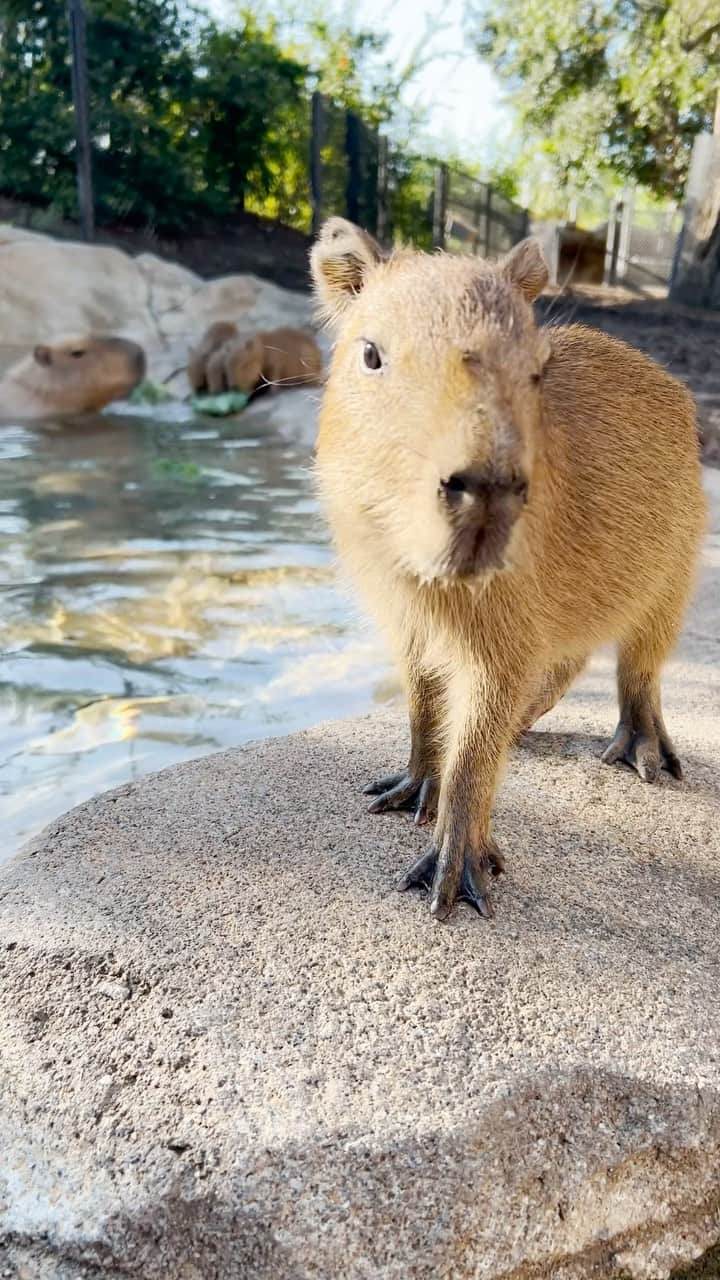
(433, 390)
(82, 374)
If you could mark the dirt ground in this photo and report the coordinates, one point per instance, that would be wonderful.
(685, 340)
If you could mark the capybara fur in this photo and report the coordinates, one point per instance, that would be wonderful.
(253, 362)
(507, 498)
(71, 376)
(213, 339)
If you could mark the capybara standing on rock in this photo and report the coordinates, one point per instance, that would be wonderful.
(507, 499)
(71, 376)
(252, 362)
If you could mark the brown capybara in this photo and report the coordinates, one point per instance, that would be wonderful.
(253, 362)
(507, 498)
(213, 339)
(71, 376)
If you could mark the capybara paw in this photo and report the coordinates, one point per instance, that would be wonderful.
(646, 753)
(453, 876)
(406, 790)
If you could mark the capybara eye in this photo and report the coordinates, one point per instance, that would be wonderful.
(536, 379)
(77, 354)
(371, 357)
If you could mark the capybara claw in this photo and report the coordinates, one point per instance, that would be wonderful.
(420, 874)
(406, 790)
(646, 753)
(437, 871)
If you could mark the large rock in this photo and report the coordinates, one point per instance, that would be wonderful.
(51, 287)
(230, 1049)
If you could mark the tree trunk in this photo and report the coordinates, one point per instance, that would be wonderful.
(696, 279)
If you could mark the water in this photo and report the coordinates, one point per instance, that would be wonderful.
(167, 591)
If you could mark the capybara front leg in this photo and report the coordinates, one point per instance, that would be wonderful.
(417, 786)
(463, 857)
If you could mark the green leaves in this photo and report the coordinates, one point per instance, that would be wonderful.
(602, 86)
(185, 118)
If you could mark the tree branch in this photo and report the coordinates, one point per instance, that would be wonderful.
(689, 45)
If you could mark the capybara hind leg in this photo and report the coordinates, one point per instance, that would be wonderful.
(554, 684)
(641, 739)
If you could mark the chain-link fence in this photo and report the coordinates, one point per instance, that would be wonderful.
(641, 245)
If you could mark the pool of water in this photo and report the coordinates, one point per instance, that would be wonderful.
(167, 591)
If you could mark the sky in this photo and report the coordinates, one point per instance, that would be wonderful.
(461, 92)
(466, 115)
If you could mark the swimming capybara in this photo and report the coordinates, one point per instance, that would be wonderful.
(71, 376)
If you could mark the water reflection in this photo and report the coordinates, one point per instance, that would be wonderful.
(167, 590)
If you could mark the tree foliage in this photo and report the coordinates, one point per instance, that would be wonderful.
(607, 85)
(190, 119)
(185, 117)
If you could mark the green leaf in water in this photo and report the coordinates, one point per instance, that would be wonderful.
(148, 392)
(164, 469)
(222, 405)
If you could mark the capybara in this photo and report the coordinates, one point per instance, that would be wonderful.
(213, 339)
(71, 376)
(253, 362)
(507, 498)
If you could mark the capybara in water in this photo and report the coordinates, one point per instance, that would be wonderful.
(252, 362)
(71, 376)
(507, 498)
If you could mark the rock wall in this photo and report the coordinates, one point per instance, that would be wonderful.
(50, 287)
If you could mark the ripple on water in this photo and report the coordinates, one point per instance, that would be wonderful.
(172, 594)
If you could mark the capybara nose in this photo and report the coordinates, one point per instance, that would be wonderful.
(470, 490)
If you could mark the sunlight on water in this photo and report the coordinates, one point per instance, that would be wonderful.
(167, 591)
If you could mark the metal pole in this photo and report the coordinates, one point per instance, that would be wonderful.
(382, 226)
(440, 206)
(612, 243)
(316, 167)
(354, 177)
(81, 104)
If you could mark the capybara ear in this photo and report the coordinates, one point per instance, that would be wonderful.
(43, 355)
(526, 268)
(340, 262)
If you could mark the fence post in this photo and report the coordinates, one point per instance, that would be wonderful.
(611, 245)
(316, 141)
(440, 195)
(354, 176)
(488, 219)
(478, 215)
(383, 219)
(81, 106)
(626, 226)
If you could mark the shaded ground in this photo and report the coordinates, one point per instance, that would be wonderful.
(685, 340)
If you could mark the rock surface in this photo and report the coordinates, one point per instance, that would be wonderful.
(50, 287)
(228, 1048)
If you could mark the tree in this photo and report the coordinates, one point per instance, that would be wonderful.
(247, 93)
(599, 86)
(185, 118)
